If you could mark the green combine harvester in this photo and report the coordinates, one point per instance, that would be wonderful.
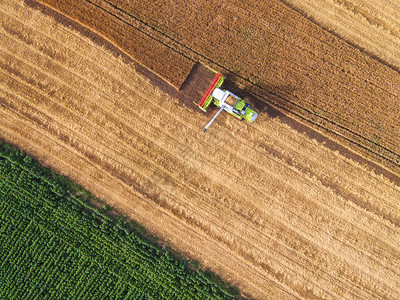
(227, 101)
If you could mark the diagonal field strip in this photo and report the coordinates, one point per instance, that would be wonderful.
(138, 45)
(285, 59)
(371, 26)
(271, 210)
(344, 133)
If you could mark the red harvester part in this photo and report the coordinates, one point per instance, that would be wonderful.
(210, 89)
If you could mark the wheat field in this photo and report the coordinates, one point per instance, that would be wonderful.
(266, 207)
(372, 26)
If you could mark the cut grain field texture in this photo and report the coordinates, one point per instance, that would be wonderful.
(279, 55)
(273, 212)
(137, 44)
(372, 26)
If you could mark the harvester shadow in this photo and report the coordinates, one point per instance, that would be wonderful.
(260, 106)
(312, 130)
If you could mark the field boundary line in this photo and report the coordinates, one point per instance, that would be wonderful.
(341, 136)
(176, 217)
(56, 62)
(44, 7)
(201, 226)
(163, 206)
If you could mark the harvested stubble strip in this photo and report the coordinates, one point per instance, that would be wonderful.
(159, 58)
(305, 223)
(284, 58)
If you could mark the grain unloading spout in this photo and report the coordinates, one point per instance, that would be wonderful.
(225, 100)
(212, 120)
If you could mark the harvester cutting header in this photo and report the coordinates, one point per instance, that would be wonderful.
(227, 101)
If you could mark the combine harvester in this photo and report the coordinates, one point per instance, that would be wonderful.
(227, 101)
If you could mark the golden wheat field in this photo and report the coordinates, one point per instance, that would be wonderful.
(310, 71)
(373, 26)
(274, 212)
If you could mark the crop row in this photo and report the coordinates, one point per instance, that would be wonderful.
(138, 45)
(55, 244)
(278, 56)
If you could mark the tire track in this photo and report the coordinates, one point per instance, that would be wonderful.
(292, 231)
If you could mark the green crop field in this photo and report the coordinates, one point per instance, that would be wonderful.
(54, 244)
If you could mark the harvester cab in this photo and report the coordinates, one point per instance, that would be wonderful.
(227, 101)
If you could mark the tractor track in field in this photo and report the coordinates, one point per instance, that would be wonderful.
(152, 198)
(127, 38)
(373, 143)
(370, 17)
(267, 207)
